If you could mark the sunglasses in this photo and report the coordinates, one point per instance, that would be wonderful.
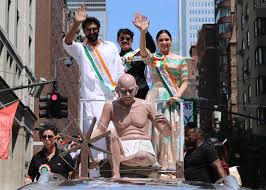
(122, 91)
(92, 29)
(47, 136)
(125, 38)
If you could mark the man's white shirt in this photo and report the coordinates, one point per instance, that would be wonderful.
(91, 87)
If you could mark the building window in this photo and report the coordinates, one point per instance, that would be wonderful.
(247, 13)
(248, 40)
(261, 115)
(246, 124)
(261, 85)
(223, 59)
(223, 43)
(244, 100)
(223, 12)
(260, 27)
(246, 70)
(248, 66)
(249, 93)
(244, 75)
(260, 56)
(254, 3)
(242, 21)
(250, 121)
(1, 47)
(224, 28)
(243, 45)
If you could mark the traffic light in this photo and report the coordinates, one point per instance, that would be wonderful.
(54, 102)
(58, 105)
(63, 109)
(53, 106)
(43, 107)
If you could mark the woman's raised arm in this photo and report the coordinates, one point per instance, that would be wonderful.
(142, 23)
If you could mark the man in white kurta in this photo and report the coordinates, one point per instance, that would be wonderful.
(94, 92)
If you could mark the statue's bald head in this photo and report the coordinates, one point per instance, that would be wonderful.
(126, 81)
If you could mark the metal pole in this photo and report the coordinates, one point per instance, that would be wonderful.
(55, 64)
(81, 115)
(27, 86)
(182, 131)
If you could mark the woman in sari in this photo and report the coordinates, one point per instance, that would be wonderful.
(169, 79)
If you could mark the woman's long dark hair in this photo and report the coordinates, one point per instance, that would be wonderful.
(161, 32)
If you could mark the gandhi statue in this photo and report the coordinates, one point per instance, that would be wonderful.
(131, 144)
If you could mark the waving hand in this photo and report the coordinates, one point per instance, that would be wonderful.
(80, 14)
(141, 22)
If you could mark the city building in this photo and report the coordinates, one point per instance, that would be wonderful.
(52, 23)
(238, 84)
(231, 96)
(252, 63)
(17, 65)
(251, 52)
(208, 72)
(223, 20)
(192, 14)
(95, 8)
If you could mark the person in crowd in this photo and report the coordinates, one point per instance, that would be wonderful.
(100, 67)
(48, 159)
(131, 144)
(132, 60)
(99, 62)
(169, 79)
(74, 154)
(201, 162)
(222, 152)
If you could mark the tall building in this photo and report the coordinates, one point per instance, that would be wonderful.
(192, 14)
(208, 80)
(251, 50)
(95, 8)
(252, 63)
(17, 52)
(223, 17)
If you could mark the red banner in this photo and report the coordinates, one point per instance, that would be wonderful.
(7, 115)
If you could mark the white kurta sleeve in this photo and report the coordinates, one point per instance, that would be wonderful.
(73, 49)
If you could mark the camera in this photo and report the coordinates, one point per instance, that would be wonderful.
(69, 61)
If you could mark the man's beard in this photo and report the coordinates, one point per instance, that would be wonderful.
(92, 37)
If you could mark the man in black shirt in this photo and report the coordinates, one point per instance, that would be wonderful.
(136, 67)
(48, 158)
(201, 162)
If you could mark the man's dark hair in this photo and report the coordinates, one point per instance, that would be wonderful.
(196, 130)
(125, 31)
(48, 126)
(191, 125)
(90, 20)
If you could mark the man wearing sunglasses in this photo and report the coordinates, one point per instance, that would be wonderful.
(99, 62)
(100, 67)
(131, 145)
(134, 66)
(48, 159)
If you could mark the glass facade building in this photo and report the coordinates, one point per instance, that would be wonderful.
(96, 8)
(192, 15)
